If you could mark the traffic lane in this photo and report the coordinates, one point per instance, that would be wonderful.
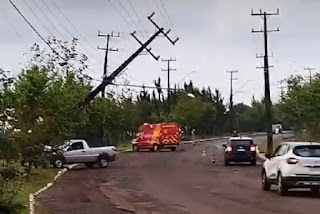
(202, 187)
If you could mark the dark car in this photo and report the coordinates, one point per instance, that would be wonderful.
(240, 149)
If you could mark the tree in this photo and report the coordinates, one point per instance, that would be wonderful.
(300, 106)
(194, 113)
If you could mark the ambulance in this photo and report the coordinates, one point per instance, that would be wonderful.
(157, 136)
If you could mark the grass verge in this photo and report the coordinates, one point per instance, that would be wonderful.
(124, 146)
(39, 179)
(263, 146)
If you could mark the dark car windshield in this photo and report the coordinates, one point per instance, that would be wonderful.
(307, 151)
(241, 142)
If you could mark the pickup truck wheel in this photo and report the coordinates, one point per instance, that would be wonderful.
(103, 162)
(58, 163)
(90, 165)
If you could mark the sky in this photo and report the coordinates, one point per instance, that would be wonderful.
(215, 36)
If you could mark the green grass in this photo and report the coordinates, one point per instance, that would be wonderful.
(263, 146)
(124, 146)
(39, 179)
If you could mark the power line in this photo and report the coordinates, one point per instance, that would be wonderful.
(161, 12)
(129, 15)
(70, 23)
(136, 14)
(13, 28)
(45, 26)
(45, 41)
(46, 17)
(118, 11)
(167, 14)
(54, 15)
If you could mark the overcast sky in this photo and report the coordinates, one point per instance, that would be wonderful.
(215, 36)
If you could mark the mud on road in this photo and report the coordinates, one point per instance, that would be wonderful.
(170, 183)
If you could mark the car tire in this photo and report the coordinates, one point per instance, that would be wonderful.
(315, 190)
(135, 148)
(254, 162)
(90, 165)
(58, 163)
(155, 148)
(103, 162)
(281, 186)
(266, 185)
(173, 149)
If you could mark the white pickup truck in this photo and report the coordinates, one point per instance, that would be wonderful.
(78, 151)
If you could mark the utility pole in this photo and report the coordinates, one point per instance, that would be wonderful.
(107, 80)
(106, 49)
(168, 70)
(268, 103)
(282, 88)
(231, 113)
(310, 72)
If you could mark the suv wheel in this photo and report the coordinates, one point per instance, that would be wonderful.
(281, 186)
(265, 183)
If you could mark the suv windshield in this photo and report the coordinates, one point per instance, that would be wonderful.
(307, 151)
(241, 142)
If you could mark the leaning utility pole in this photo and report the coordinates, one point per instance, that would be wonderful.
(106, 49)
(168, 70)
(107, 80)
(268, 111)
(310, 73)
(231, 113)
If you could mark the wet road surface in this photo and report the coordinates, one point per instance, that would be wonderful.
(185, 181)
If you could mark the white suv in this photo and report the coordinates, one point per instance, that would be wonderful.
(293, 165)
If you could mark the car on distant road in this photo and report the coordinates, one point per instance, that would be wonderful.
(293, 165)
(277, 128)
(78, 151)
(240, 149)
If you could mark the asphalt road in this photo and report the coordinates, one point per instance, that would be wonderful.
(172, 183)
